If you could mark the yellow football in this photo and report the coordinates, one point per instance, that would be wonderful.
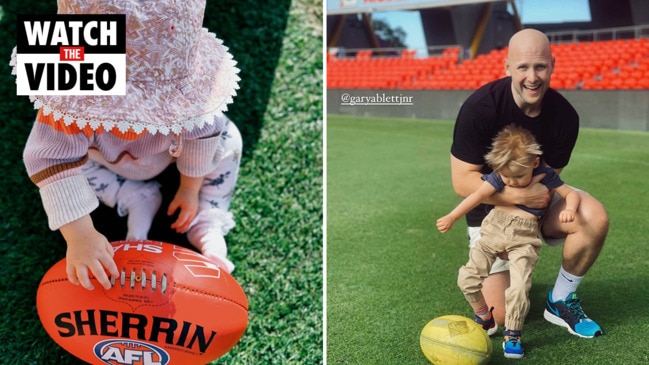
(455, 340)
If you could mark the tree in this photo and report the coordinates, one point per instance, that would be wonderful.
(388, 36)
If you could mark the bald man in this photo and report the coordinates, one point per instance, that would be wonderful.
(525, 98)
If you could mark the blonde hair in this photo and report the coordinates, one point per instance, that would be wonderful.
(513, 145)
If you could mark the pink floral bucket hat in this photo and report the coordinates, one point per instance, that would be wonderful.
(179, 76)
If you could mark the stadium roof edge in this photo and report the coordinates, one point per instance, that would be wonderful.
(337, 7)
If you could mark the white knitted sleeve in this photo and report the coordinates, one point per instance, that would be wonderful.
(67, 200)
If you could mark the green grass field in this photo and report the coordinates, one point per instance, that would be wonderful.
(277, 244)
(389, 271)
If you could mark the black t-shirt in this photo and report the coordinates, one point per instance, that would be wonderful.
(490, 108)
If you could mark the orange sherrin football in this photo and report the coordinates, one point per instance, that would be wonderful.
(170, 305)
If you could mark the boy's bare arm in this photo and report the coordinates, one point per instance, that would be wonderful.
(572, 203)
(466, 179)
(473, 200)
(570, 195)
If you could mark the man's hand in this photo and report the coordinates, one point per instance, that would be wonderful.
(535, 195)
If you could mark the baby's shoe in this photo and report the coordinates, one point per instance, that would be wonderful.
(488, 325)
(512, 346)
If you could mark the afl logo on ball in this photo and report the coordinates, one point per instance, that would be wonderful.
(120, 352)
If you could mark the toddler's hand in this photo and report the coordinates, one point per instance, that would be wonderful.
(187, 202)
(90, 256)
(444, 224)
(567, 216)
(88, 250)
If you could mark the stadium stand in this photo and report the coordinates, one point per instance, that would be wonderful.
(386, 72)
(597, 65)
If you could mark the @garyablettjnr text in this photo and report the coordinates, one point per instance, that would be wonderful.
(71, 54)
(376, 99)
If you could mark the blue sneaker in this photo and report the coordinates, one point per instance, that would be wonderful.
(488, 325)
(568, 313)
(512, 347)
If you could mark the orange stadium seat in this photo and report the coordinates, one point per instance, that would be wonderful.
(597, 65)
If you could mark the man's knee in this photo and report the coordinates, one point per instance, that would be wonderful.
(592, 220)
(593, 214)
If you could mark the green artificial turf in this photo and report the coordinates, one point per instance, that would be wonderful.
(277, 244)
(389, 271)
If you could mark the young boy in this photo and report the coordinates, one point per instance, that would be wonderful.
(513, 231)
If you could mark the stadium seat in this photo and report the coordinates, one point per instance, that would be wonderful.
(609, 64)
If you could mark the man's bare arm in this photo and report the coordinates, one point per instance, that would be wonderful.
(467, 178)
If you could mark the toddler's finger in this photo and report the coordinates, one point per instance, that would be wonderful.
(180, 225)
(84, 280)
(110, 265)
(173, 206)
(100, 274)
(72, 274)
(109, 249)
